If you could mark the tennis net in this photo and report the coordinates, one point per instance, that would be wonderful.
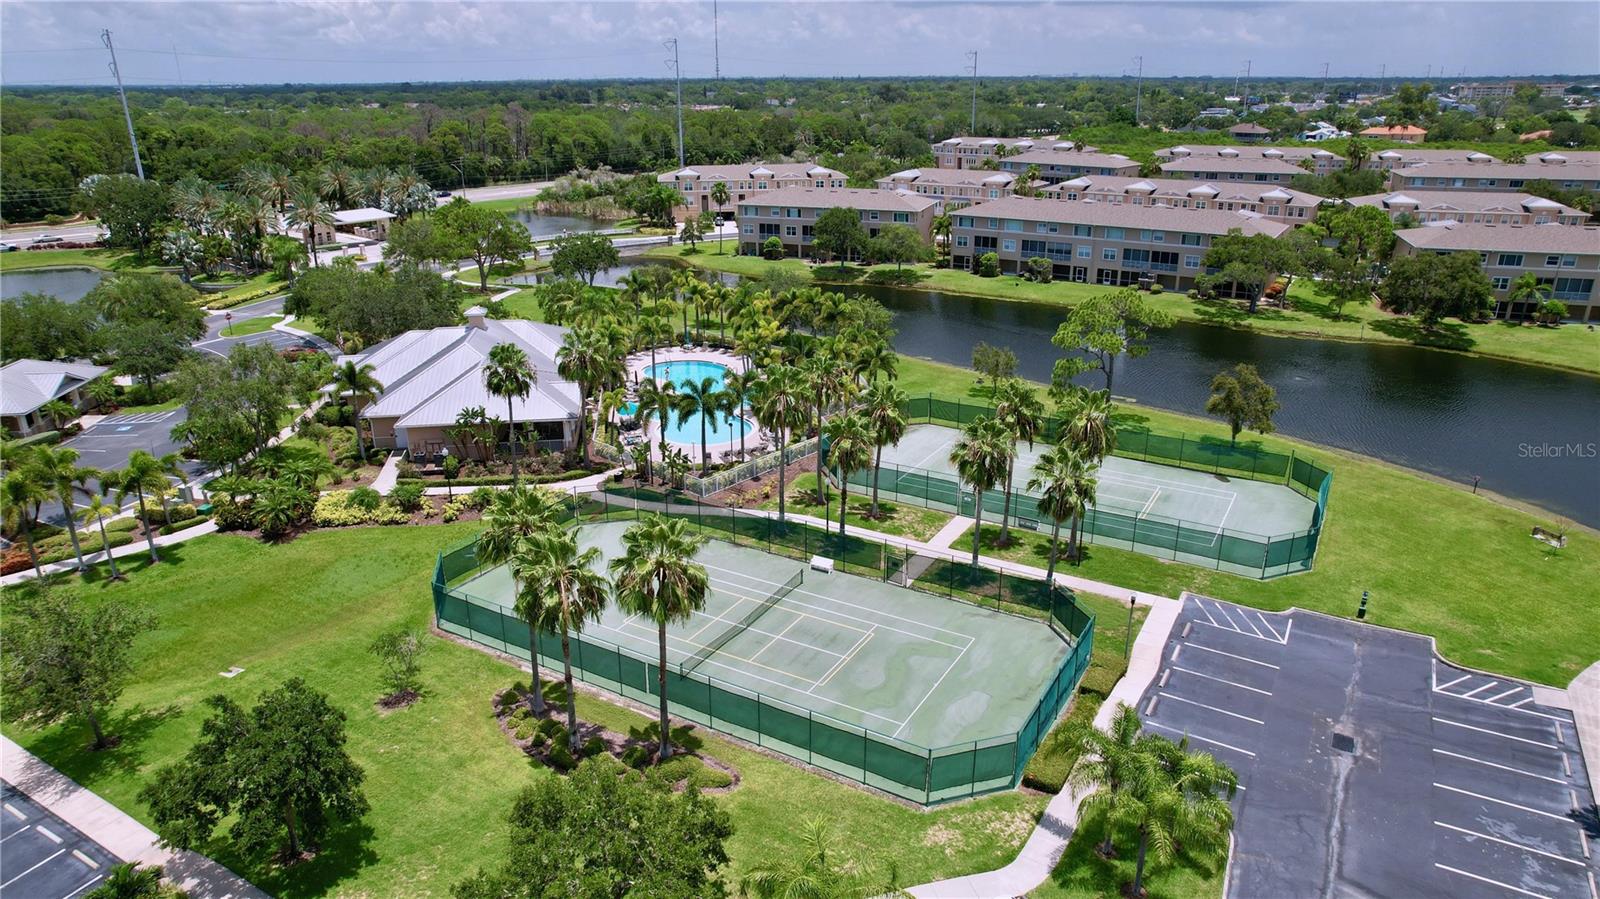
(721, 640)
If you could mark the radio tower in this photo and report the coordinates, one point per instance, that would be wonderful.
(716, 44)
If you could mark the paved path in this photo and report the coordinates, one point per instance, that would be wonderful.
(120, 834)
(951, 532)
(1584, 695)
(388, 474)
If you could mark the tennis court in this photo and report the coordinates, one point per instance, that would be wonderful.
(901, 663)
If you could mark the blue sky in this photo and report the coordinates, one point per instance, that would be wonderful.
(201, 41)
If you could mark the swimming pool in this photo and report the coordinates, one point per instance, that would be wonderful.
(684, 373)
(729, 428)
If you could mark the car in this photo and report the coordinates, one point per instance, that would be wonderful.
(46, 238)
(8, 248)
(443, 194)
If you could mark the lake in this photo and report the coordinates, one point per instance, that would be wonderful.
(70, 284)
(542, 226)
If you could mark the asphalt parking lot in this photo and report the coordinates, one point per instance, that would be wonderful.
(1369, 767)
(40, 856)
(278, 340)
(112, 439)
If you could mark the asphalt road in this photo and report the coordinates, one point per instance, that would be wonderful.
(41, 857)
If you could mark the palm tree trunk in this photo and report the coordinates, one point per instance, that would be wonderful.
(537, 705)
(572, 701)
(104, 541)
(72, 528)
(511, 435)
(782, 471)
(661, 682)
(1138, 865)
(1073, 550)
(821, 497)
(1005, 514)
(844, 500)
(1055, 538)
(705, 449)
(149, 538)
(33, 554)
(583, 419)
(877, 465)
(977, 528)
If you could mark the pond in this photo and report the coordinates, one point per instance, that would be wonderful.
(70, 284)
(1526, 432)
(542, 226)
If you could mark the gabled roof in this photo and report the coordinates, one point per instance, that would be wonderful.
(1175, 189)
(360, 216)
(1192, 164)
(1124, 215)
(1523, 239)
(27, 384)
(853, 197)
(1466, 201)
(778, 170)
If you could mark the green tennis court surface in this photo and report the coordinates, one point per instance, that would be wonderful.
(1207, 504)
(901, 663)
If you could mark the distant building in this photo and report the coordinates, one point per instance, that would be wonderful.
(1405, 134)
(971, 152)
(1216, 112)
(1058, 165)
(1232, 164)
(1468, 207)
(366, 223)
(27, 384)
(791, 213)
(1322, 161)
(1405, 157)
(1267, 200)
(1487, 174)
(1249, 132)
(1561, 256)
(695, 182)
(956, 187)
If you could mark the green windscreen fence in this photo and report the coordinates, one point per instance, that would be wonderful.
(925, 775)
(1225, 549)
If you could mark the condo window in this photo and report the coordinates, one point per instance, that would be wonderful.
(1510, 260)
(1113, 234)
(1008, 245)
(790, 231)
(1500, 282)
(1084, 251)
(1109, 254)
(963, 221)
(1191, 261)
(1191, 240)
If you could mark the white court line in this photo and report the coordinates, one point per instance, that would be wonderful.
(1157, 724)
(1475, 692)
(1485, 730)
(1468, 758)
(1487, 880)
(931, 689)
(1224, 681)
(1145, 510)
(791, 601)
(712, 660)
(1223, 521)
(1524, 808)
(1484, 836)
(1211, 707)
(1497, 698)
(768, 645)
(1232, 656)
(1129, 477)
(841, 663)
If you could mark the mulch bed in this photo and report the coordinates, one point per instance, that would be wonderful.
(754, 492)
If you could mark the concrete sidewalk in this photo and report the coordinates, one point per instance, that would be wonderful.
(107, 825)
(137, 547)
(1584, 695)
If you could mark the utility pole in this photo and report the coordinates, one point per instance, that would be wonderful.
(1246, 95)
(1383, 76)
(716, 44)
(1324, 82)
(973, 55)
(177, 63)
(1138, 90)
(677, 74)
(138, 164)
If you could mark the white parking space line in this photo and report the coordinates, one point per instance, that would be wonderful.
(1211, 707)
(1221, 680)
(31, 870)
(1487, 764)
(1442, 687)
(1193, 736)
(1485, 730)
(1475, 692)
(1526, 808)
(1232, 656)
(16, 812)
(1275, 635)
(1497, 697)
(94, 880)
(1207, 612)
(1487, 880)
(1503, 842)
(1515, 706)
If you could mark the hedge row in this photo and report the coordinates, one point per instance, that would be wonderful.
(184, 525)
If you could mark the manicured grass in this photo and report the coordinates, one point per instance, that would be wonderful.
(249, 286)
(900, 519)
(1437, 559)
(1083, 874)
(108, 260)
(251, 326)
(505, 204)
(440, 775)
(1307, 315)
(167, 406)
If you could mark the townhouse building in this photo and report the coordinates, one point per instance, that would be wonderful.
(1061, 165)
(1322, 161)
(964, 152)
(1564, 257)
(1483, 175)
(1471, 207)
(955, 187)
(1232, 166)
(1406, 157)
(1404, 134)
(1249, 133)
(695, 182)
(791, 213)
(1268, 200)
(1099, 243)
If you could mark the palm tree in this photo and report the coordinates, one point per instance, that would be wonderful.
(820, 870)
(720, 196)
(58, 411)
(1088, 424)
(510, 375)
(825, 378)
(656, 576)
(706, 399)
(310, 213)
(97, 509)
(279, 186)
(57, 469)
(980, 458)
(171, 467)
(338, 182)
(357, 382)
(740, 389)
(142, 474)
(1106, 762)
(850, 448)
(20, 490)
(780, 408)
(1066, 491)
(1177, 799)
(942, 225)
(1019, 408)
(573, 578)
(589, 360)
(510, 518)
(1528, 289)
(658, 398)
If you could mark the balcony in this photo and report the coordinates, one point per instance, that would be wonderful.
(1163, 267)
(1565, 295)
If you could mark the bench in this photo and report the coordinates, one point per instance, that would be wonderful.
(822, 564)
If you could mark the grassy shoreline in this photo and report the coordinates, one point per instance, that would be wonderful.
(1568, 348)
(102, 259)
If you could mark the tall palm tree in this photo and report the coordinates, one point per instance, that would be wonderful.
(942, 225)
(980, 458)
(310, 213)
(57, 469)
(20, 492)
(1066, 489)
(510, 375)
(780, 408)
(586, 358)
(825, 379)
(96, 510)
(1177, 799)
(573, 579)
(1088, 423)
(740, 388)
(1106, 762)
(510, 519)
(279, 186)
(59, 412)
(357, 382)
(338, 183)
(143, 474)
(660, 399)
(706, 399)
(720, 196)
(884, 408)
(654, 328)
(1019, 408)
(849, 450)
(656, 576)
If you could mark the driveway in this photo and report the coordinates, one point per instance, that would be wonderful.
(278, 340)
(1369, 767)
(110, 441)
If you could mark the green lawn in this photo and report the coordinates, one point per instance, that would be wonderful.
(440, 775)
(900, 519)
(166, 406)
(1437, 559)
(108, 260)
(251, 326)
(245, 287)
(507, 204)
(1308, 315)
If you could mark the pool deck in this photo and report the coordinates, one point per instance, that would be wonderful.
(720, 443)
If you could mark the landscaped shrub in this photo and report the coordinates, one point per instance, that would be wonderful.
(60, 552)
(524, 731)
(183, 525)
(636, 756)
(121, 525)
(989, 265)
(549, 726)
(772, 248)
(539, 740)
(335, 414)
(336, 509)
(233, 515)
(559, 756)
(1157, 288)
(181, 512)
(407, 497)
(365, 499)
(521, 713)
(481, 497)
(508, 696)
(455, 508)
(593, 746)
(405, 469)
